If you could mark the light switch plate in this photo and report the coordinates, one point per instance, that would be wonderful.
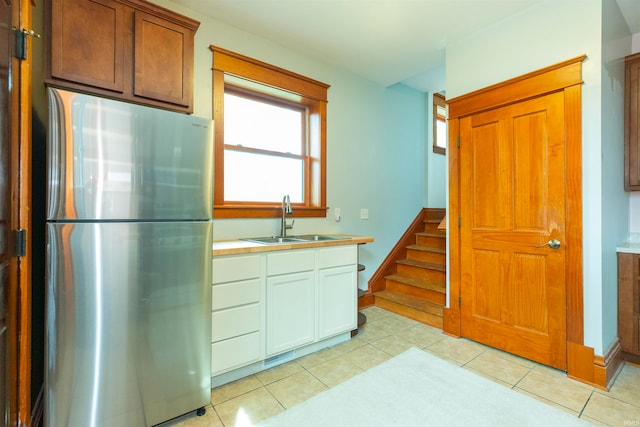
(364, 213)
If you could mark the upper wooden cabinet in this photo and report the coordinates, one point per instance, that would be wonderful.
(632, 123)
(125, 49)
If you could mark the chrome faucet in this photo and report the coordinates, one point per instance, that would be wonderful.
(286, 209)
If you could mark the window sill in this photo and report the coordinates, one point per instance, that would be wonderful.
(249, 211)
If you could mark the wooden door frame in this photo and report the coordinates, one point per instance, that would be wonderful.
(20, 267)
(563, 77)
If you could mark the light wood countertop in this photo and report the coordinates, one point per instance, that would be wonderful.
(233, 247)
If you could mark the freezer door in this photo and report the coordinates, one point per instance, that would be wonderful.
(110, 160)
(128, 322)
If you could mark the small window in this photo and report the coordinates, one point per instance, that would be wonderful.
(439, 124)
(270, 139)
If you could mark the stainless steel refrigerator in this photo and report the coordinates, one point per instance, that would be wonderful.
(129, 231)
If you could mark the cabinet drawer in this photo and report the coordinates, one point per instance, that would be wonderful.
(236, 268)
(335, 257)
(235, 352)
(290, 262)
(235, 321)
(229, 295)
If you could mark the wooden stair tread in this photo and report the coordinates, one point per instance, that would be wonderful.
(440, 234)
(427, 249)
(431, 285)
(423, 264)
(412, 302)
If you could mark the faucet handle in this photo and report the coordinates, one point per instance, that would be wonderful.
(289, 226)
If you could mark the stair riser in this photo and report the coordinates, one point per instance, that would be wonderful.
(435, 214)
(422, 273)
(420, 316)
(426, 256)
(431, 241)
(433, 296)
(432, 227)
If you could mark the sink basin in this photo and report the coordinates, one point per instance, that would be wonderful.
(274, 240)
(319, 237)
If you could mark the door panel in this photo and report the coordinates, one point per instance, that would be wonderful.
(513, 202)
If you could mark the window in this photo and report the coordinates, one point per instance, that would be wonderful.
(439, 124)
(270, 127)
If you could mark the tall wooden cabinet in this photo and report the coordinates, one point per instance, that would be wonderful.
(629, 304)
(632, 123)
(124, 49)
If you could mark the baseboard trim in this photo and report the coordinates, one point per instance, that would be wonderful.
(598, 371)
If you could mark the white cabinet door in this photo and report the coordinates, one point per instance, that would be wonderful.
(337, 300)
(290, 311)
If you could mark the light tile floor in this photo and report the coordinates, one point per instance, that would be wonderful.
(260, 396)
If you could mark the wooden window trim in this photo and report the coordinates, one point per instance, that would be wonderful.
(438, 101)
(311, 93)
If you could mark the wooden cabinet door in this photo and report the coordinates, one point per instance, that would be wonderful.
(512, 177)
(629, 302)
(163, 63)
(88, 43)
(632, 123)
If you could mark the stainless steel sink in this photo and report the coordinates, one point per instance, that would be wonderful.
(319, 237)
(274, 240)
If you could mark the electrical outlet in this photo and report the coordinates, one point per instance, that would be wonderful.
(364, 213)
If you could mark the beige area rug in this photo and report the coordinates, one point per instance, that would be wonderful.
(418, 389)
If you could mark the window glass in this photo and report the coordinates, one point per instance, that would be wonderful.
(262, 125)
(262, 178)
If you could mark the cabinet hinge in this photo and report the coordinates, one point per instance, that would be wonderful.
(20, 42)
(20, 243)
(20, 45)
(458, 141)
(459, 301)
(459, 222)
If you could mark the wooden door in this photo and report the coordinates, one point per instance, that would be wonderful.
(15, 197)
(5, 203)
(512, 184)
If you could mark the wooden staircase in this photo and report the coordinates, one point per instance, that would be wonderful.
(417, 289)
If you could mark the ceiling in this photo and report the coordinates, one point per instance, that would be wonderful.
(386, 41)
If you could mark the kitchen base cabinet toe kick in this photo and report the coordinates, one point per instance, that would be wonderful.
(273, 307)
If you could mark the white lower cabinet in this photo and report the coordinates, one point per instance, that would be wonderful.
(290, 311)
(337, 290)
(290, 299)
(337, 301)
(269, 303)
(237, 317)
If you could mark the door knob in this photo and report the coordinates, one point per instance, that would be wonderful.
(553, 244)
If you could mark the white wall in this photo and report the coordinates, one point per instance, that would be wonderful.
(616, 44)
(634, 202)
(436, 164)
(375, 144)
(541, 36)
